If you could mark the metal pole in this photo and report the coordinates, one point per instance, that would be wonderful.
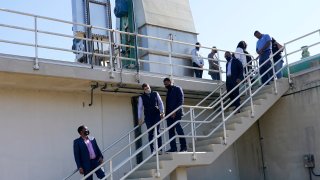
(287, 63)
(130, 149)
(274, 74)
(36, 62)
(170, 55)
(245, 74)
(110, 56)
(224, 123)
(250, 94)
(193, 135)
(111, 169)
(220, 73)
(157, 150)
(164, 136)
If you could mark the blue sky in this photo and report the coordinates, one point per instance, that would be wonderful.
(221, 23)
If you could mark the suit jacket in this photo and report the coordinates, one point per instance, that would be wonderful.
(236, 72)
(175, 98)
(81, 152)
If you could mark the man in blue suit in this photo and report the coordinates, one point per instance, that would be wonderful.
(87, 153)
(234, 70)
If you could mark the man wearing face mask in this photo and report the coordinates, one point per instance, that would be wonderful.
(87, 153)
(197, 61)
(234, 76)
(174, 100)
(152, 105)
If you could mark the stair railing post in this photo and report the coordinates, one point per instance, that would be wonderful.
(223, 121)
(111, 55)
(130, 150)
(162, 124)
(287, 63)
(170, 55)
(157, 150)
(220, 70)
(274, 76)
(193, 134)
(250, 93)
(111, 170)
(36, 61)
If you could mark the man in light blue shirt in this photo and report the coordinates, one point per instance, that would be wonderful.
(263, 48)
(197, 61)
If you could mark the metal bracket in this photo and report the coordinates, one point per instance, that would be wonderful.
(93, 86)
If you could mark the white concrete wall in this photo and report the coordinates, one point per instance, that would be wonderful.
(156, 46)
(38, 129)
(289, 130)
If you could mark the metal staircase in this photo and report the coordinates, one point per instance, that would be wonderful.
(209, 130)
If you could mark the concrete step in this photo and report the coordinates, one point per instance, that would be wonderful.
(151, 165)
(164, 157)
(234, 119)
(207, 148)
(217, 140)
(142, 174)
(218, 133)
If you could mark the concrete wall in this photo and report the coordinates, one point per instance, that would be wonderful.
(38, 129)
(289, 130)
(159, 50)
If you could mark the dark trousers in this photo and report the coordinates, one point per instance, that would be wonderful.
(150, 122)
(215, 76)
(230, 85)
(264, 68)
(172, 133)
(197, 72)
(93, 164)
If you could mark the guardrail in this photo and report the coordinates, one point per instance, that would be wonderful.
(110, 54)
(220, 104)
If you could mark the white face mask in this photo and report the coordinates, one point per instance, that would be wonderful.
(148, 91)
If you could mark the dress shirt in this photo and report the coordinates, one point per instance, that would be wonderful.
(92, 154)
(262, 41)
(229, 68)
(196, 57)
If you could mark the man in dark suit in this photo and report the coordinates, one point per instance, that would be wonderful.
(87, 153)
(174, 99)
(234, 73)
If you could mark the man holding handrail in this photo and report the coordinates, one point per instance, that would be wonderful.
(174, 100)
(214, 64)
(234, 76)
(152, 105)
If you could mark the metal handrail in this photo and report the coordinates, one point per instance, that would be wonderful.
(138, 35)
(183, 106)
(108, 147)
(198, 107)
(87, 39)
(296, 39)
